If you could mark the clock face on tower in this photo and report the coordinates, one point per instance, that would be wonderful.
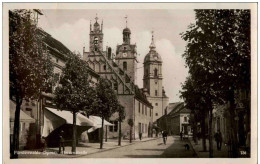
(96, 41)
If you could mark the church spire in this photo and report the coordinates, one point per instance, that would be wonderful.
(126, 21)
(152, 45)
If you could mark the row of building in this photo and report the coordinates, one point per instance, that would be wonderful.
(143, 105)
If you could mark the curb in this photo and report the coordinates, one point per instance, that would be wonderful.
(103, 150)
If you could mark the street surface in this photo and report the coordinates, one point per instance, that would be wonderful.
(174, 148)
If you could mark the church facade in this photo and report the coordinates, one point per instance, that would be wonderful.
(153, 82)
(143, 106)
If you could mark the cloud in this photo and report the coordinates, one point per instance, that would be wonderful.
(76, 35)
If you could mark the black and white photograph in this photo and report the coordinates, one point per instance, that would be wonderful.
(130, 80)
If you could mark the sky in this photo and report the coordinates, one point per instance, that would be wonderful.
(71, 27)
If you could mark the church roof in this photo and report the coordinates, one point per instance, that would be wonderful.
(152, 56)
(127, 30)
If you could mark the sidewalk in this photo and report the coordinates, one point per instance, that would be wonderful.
(81, 150)
(223, 153)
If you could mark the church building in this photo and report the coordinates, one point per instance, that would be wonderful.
(121, 72)
(153, 82)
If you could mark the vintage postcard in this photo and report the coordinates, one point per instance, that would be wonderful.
(98, 82)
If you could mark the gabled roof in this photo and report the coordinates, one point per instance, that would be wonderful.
(178, 108)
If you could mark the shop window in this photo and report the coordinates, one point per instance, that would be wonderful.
(113, 128)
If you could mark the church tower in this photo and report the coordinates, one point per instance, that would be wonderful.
(96, 37)
(126, 55)
(152, 81)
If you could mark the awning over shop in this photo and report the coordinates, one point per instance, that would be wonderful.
(23, 116)
(98, 123)
(54, 118)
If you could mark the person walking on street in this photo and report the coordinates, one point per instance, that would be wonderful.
(140, 136)
(219, 144)
(218, 139)
(61, 140)
(164, 135)
(181, 134)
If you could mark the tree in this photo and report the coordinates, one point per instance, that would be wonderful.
(121, 117)
(30, 68)
(131, 124)
(219, 45)
(192, 93)
(75, 91)
(104, 104)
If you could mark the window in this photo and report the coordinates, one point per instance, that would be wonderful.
(155, 82)
(156, 104)
(95, 48)
(125, 66)
(156, 114)
(105, 67)
(114, 127)
(57, 60)
(185, 119)
(139, 110)
(96, 40)
(124, 48)
(142, 108)
(115, 86)
(155, 72)
(150, 112)
(155, 92)
(142, 128)
(145, 110)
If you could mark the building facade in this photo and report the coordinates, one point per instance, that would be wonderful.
(176, 120)
(121, 72)
(153, 82)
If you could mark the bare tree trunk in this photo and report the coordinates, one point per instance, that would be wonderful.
(119, 135)
(130, 134)
(210, 134)
(203, 131)
(102, 131)
(106, 134)
(74, 137)
(15, 146)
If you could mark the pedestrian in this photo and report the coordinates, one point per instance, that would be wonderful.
(140, 136)
(61, 142)
(181, 135)
(219, 144)
(43, 144)
(164, 135)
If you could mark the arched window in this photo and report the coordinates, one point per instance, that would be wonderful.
(125, 66)
(155, 72)
(115, 86)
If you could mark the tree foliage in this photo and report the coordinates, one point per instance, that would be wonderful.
(218, 57)
(75, 90)
(30, 67)
(105, 103)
